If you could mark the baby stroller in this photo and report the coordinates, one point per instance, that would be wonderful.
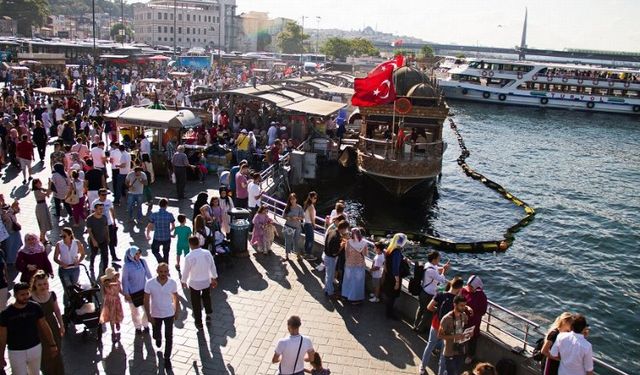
(83, 306)
(221, 250)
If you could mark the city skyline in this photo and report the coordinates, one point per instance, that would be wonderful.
(580, 24)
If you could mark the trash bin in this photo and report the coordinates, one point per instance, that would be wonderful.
(239, 230)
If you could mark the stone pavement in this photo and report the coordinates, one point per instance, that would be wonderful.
(251, 304)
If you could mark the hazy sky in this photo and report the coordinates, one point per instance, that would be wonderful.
(557, 24)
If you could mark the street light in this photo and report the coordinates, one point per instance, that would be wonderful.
(175, 27)
(318, 18)
(302, 37)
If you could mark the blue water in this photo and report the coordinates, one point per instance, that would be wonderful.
(581, 172)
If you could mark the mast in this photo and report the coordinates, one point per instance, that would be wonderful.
(523, 40)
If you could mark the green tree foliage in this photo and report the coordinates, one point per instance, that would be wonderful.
(28, 13)
(340, 48)
(79, 7)
(461, 56)
(291, 39)
(263, 40)
(363, 47)
(427, 51)
(115, 32)
(337, 48)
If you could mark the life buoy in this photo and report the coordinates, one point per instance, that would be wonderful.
(491, 73)
(544, 100)
(611, 83)
(484, 73)
(465, 91)
(486, 95)
(636, 108)
(596, 82)
(502, 97)
(535, 77)
(549, 78)
(591, 105)
(580, 81)
(626, 84)
(403, 106)
(565, 79)
(519, 75)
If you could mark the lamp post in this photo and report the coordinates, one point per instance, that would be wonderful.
(219, 34)
(93, 12)
(175, 28)
(318, 18)
(302, 42)
(122, 21)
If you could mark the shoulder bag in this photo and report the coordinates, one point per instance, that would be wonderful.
(295, 360)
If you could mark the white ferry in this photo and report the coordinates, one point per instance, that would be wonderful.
(538, 84)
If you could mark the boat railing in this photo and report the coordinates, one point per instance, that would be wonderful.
(498, 320)
(408, 151)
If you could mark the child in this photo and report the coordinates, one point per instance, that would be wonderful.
(376, 272)
(317, 369)
(112, 307)
(183, 233)
(259, 238)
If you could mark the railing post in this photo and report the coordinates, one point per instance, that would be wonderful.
(489, 319)
(526, 335)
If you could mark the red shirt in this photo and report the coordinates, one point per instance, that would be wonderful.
(24, 150)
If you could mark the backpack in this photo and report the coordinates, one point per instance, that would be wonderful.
(506, 366)
(445, 306)
(415, 284)
(537, 351)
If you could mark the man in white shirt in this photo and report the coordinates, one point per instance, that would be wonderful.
(145, 154)
(162, 307)
(254, 194)
(114, 160)
(573, 350)
(272, 133)
(294, 350)
(93, 110)
(59, 115)
(124, 167)
(433, 276)
(199, 274)
(99, 158)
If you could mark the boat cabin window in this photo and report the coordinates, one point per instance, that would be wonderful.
(579, 90)
(499, 66)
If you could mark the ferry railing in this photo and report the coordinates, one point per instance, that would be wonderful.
(388, 149)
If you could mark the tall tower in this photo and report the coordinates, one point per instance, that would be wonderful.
(523, 40)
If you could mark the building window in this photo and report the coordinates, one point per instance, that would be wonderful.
(165, 16)
(159, 39)
(198, 31)
(159, 15)
(218, 19)
(165, 29)
(165, 38)
(179, 39)
(204, 31)
(188, 40)
(188, 30)
(171, 29)
(180, 30)
(194, 31)
(171, 39)
(149, 15)
(180, 17)
(171, 16)
(199, 18)
(188, 17)
(159, 29)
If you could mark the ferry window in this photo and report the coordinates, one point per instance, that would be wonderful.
(455, 77)
(617, 92)
(588, 90)
(573, 89)
(542, 71)
(473, 64)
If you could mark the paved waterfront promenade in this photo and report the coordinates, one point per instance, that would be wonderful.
(251, 305)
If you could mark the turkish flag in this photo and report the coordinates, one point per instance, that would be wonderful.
(377, 88)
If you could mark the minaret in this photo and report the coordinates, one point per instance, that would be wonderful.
(523, 41)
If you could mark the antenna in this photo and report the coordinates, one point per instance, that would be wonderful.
(523, 40)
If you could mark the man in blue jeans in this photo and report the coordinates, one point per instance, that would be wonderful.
(162, 223)
(332, 248)
(135, 182)
(452, 327)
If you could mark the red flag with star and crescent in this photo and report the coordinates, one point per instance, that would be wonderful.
(377, 87)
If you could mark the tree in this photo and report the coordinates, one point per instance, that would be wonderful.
(117, 35)
(263, 40)
(337, 48)
(291, 39)
(427, 51)
(28, 13)
(363, 47)
(461, 56)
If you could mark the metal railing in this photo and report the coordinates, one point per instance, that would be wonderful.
(277, 207)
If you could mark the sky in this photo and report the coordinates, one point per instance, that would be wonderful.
(553, 24)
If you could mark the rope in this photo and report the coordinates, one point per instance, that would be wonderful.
(480, 246)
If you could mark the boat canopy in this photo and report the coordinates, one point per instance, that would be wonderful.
(53, 91)
(321, 85)
(154, 80)
(154, 118)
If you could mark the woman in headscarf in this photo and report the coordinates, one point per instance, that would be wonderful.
(60, 188)
(477, 301)
(226, 204)
(135, 274)
(354, 267)
(201, 200)
(10, 221)
(394, 271)
(31, 258)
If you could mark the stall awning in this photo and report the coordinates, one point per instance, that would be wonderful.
(154, 80)
(53, 91)
(154, 118)
(315, 107)
(109, 57)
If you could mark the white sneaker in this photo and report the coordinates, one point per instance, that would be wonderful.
(374, 300)
(320, 267)
(371, 295)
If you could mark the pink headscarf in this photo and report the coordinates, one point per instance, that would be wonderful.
(32, 247)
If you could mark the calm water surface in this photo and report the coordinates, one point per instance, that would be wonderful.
(581, 172)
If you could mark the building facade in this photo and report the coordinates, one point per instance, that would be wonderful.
(197, 23)
(257, 32)
(8, 26)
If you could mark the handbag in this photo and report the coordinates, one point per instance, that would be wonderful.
(137, 298)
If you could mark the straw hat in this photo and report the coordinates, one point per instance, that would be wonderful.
(109, 274)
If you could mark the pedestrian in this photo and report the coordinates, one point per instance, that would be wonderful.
(112, 307)
(24, 330)
(377, 269)
(180, 163)
(75, 197)
(452, 328)
(200, 275)
(316, 366)
(40, 139)
(333, 246)
(233, 172)
(259, 236)
(43, 216)
(242, 193)
(114, 160)
(10, 221)
(48, 301)
(124, 168)
(145, 155)
(201, 200)
(98, 237)
(135, 274)
(432, 278)
(226, 205)
(477, 302)
(354, 270)
(24, 153)
(573, 350)
(162, 306)
(162, 223)
(93, 181)
(291, 352)
(68, 254)
(254, 194)
(562, 324)
(396, 268)
(31, 258)
(309, 224)
(110, 213)
(4, 281)
(182, 232)
(293, 214)
(60, 188)
(135, 182)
